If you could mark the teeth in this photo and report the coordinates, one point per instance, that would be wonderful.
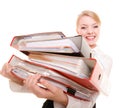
(90, 37)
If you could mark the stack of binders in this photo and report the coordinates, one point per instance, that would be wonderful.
(64, 61)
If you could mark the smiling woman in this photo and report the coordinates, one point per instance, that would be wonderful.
(88, 26)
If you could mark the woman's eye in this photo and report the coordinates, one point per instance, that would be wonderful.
(83, 27)
(96, 26)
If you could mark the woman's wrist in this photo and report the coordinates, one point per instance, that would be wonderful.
(64, 100)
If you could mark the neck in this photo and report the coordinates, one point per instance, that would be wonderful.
(93, 46)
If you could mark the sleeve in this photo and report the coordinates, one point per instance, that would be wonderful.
(17, 87)
(75, 103)
(107, 67)
(105, 62)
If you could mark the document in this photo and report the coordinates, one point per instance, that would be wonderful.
(53, 43)
(60, 45)
(70, 64)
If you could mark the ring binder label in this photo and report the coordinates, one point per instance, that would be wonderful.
(71, 91)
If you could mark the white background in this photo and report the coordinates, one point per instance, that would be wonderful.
(19, 17)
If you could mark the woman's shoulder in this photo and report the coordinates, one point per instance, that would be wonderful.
(102, 53)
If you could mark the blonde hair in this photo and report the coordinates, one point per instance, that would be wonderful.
(90, 14)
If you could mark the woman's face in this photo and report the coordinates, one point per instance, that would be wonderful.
(89, 29)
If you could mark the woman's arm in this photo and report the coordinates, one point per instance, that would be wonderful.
(31, 85)
(49, 92)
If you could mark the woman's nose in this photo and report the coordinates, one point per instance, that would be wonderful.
(90, 30)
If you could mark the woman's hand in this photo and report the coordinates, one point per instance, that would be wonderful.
(6, 72)
(52, 92)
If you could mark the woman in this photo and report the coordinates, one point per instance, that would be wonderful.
(88, 25)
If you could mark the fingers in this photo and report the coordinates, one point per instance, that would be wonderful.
(48, 85)
(6, 69)
(32, 80)
(52, 92)
(36, 84)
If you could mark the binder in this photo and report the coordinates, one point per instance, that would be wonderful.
(84, 71)
(23, 68)
(52, 42)
(37, 36)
